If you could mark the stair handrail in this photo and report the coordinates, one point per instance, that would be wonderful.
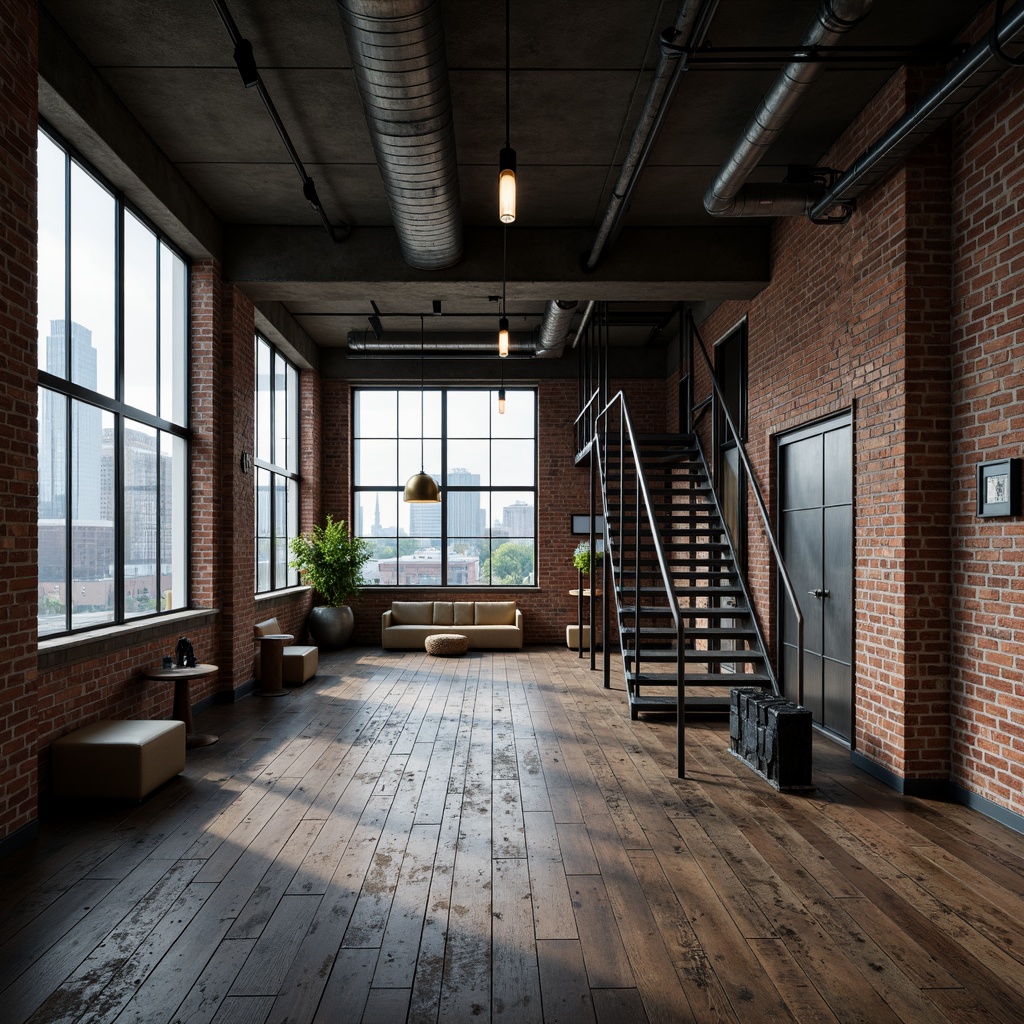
(581, 449)
(625, 432)
(780, 564)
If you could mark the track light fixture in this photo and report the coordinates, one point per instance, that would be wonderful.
(375, 324)
(507, 157)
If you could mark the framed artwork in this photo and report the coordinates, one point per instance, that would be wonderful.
(999, 488)
(581, 524)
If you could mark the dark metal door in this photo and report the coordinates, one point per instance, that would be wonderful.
(816, 527)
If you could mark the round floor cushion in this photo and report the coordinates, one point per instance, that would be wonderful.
(447, 645)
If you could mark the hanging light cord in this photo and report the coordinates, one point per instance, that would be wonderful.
(423, 426)
(508, 77)
(504, 264)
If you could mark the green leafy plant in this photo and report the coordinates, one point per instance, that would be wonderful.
(582, 560)
(331, 561)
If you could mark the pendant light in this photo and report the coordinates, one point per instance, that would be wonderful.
(503, 322)
(507, 157)
(421, 487)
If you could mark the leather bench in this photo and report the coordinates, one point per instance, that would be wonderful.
(115, 759)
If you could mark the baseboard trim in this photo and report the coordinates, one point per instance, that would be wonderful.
(16, 840)
(940, 789)
(987, 807)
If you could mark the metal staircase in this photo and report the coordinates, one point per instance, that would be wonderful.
(687, 628)
(722, 645)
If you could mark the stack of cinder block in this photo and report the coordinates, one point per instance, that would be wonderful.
(773, 736)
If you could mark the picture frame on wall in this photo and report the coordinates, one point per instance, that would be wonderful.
(581, 524)
(999, 488)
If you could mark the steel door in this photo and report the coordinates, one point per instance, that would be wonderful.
(816, 527)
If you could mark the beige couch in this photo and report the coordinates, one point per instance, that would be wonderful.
(486, 624)
(300, 663)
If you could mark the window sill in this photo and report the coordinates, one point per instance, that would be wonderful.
(67, 650)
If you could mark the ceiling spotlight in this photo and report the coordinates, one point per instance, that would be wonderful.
(375, 324)
(309, 191)
(246, 63)
(437, 307)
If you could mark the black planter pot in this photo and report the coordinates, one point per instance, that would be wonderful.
(331, 628)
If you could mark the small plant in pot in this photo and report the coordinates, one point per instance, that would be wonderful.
(583, 560)
(330, 560)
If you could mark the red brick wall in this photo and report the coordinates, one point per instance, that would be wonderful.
(236, 492)
(856, 316)
(562, 490)
(18, 486)
(988, 390)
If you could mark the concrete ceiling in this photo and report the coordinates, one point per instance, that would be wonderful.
(579, 76)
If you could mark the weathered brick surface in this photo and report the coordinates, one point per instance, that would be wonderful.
(18, 484)
(988, 389)
(910, 316)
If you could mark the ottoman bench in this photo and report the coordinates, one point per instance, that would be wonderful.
(446, 645)
(123, 760)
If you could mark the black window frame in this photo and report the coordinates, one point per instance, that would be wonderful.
(446, 391)
(275, 469)
(66, 389)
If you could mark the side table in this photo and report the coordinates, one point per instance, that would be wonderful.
(272, 663)
(182, 709)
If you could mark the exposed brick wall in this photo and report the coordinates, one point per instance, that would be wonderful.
(237, 490)
(857, 317)
(988, 391)
(18, 486)
(562, 490)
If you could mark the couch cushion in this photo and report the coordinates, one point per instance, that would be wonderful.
(444, 613)
(495, 613)
(464, 613)
(268, 627)
(412, 613)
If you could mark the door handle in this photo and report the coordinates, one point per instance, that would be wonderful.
(818, 592)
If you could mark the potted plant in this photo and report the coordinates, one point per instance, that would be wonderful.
(583, 560)
(330, 560)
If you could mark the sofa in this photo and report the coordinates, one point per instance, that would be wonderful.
(486, 624)
(300, 663)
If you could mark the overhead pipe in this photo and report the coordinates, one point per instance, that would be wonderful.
(728, 195)
(691, 24)
(982, 65)
(398, 53)
(467, 342)
(555, 327)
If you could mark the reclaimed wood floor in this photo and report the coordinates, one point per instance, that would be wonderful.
(490, 838)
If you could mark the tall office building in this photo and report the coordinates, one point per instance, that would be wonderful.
(518, 519)
(465, 516)
(86, 431)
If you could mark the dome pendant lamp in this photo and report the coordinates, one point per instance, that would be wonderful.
(421, 487)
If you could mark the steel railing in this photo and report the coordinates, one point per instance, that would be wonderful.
(761, 506)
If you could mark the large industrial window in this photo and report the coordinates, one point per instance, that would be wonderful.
(277, 467)
(113, 405)
(483, 532)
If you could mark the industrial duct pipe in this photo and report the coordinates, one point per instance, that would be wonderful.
(728, 196)
(398, 52)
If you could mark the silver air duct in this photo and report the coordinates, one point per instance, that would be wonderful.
(726, 196)
(398, 52)
(554, 328)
